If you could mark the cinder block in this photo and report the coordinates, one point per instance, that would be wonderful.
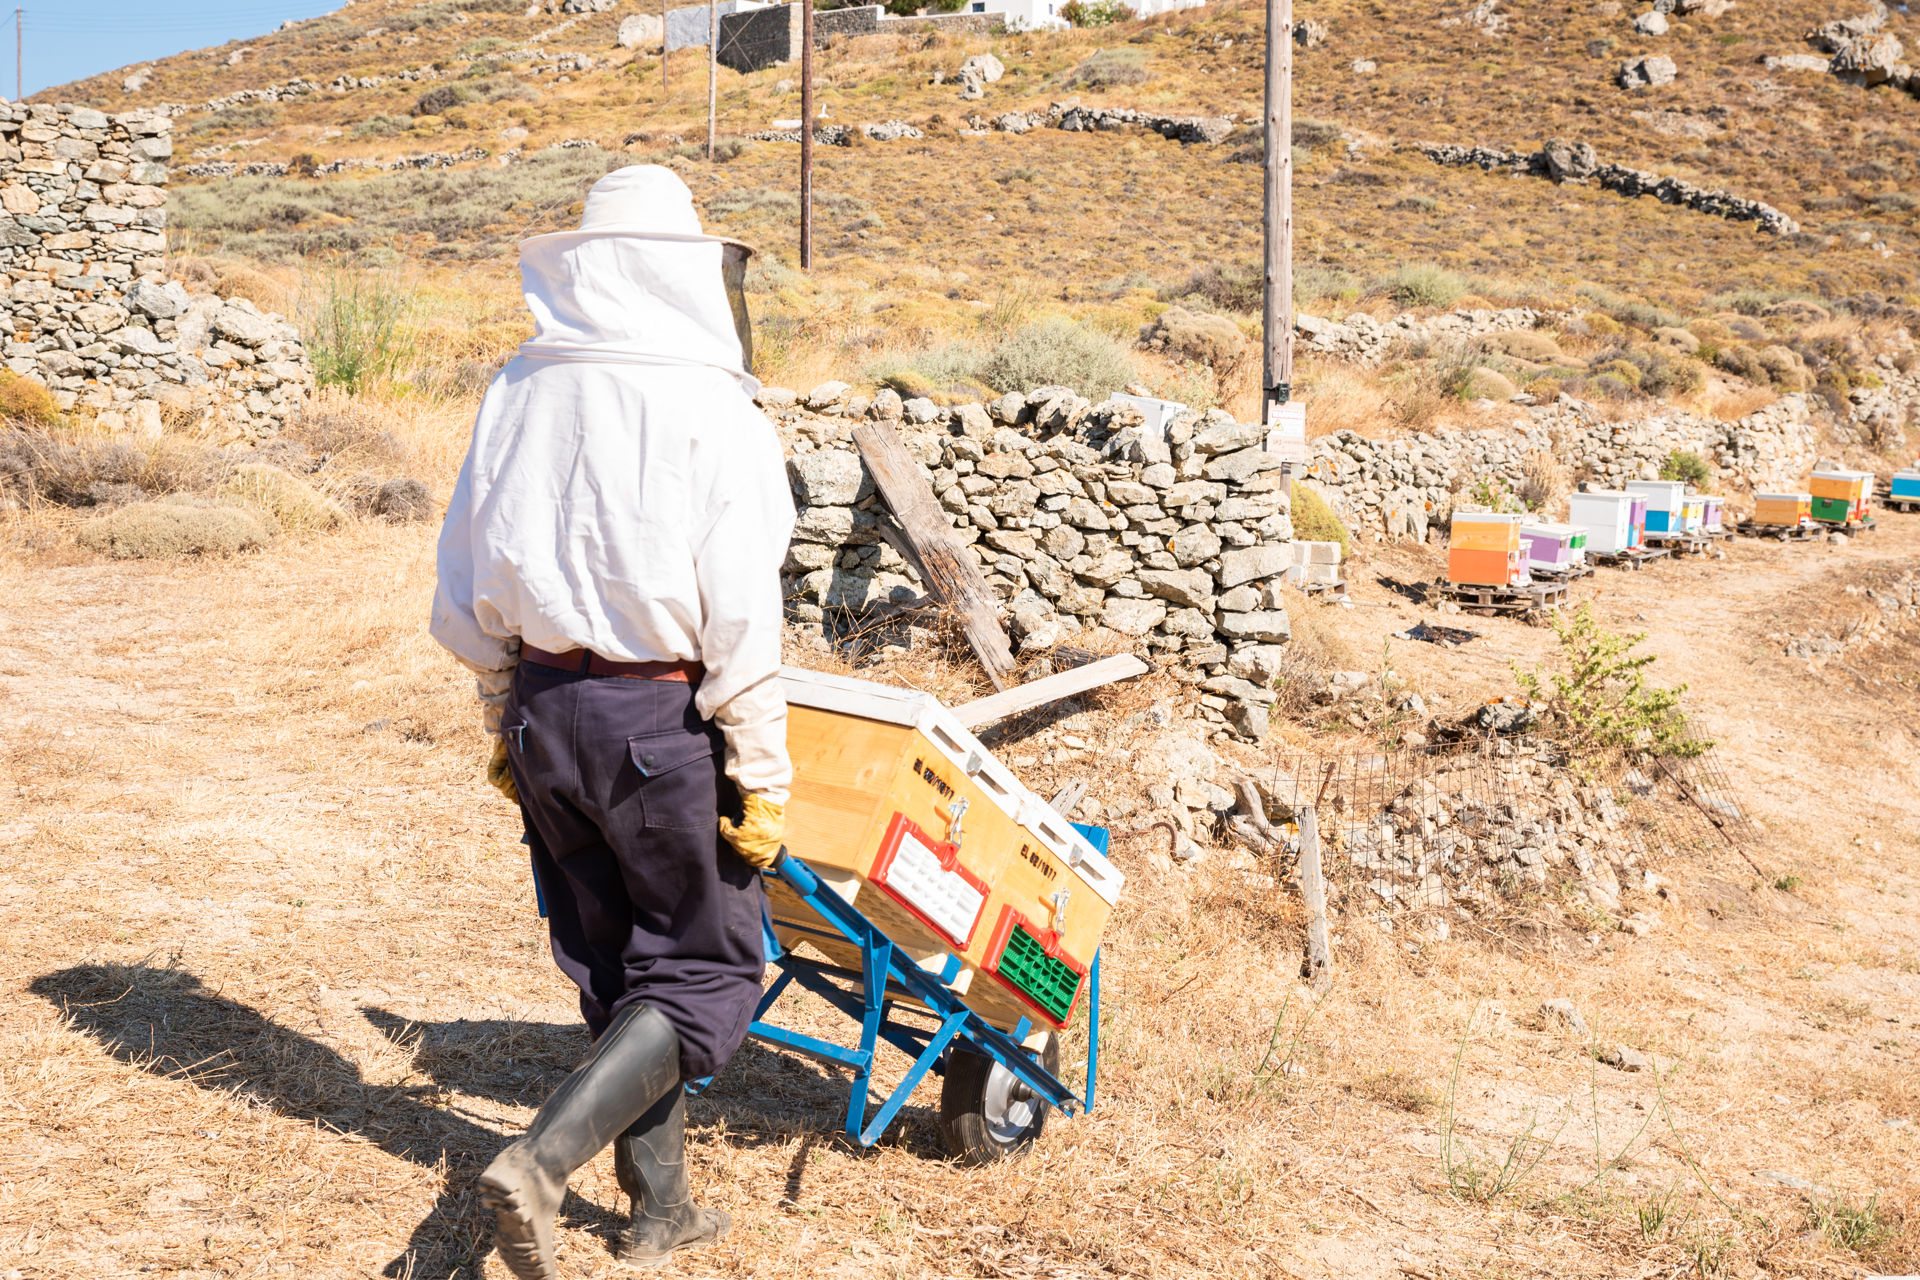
(1316, 553)
(1322, 574)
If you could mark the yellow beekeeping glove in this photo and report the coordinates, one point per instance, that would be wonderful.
(759, 834)
(498, 775)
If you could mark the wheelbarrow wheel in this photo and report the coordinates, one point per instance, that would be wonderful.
(985, 1112)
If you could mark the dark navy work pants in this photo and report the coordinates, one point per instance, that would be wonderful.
(622, 785)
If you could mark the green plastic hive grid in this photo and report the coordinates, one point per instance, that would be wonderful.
(1831, 510)
(1049, 982)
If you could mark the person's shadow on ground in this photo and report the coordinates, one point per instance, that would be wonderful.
(165, 1022)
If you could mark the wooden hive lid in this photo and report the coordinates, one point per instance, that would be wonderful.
(923, 713)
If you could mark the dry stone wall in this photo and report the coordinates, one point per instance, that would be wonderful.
(1079, 517)
(1401, 488)
(90, 312)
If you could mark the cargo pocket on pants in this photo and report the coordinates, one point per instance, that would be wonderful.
(679, 780)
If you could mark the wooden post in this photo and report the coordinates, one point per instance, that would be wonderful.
(806, 135)
(1313, 888)
(713, 70)
(663, 45)
(1277, 293)
(949, 573)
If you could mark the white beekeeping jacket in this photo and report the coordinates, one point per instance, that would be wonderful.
(622, 493)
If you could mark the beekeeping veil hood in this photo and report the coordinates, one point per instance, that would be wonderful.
(639, 283)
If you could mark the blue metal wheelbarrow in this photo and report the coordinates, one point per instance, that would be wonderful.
(995, 1091)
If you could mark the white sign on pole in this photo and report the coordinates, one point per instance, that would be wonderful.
(1287, 430)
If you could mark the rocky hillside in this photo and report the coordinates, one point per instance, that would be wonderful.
(1735, 104)
(1680, 167)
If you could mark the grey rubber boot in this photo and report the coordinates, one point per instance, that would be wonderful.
(628, 1070)
(650, 1159)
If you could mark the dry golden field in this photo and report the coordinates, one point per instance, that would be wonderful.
(274, 989)
(921, 241)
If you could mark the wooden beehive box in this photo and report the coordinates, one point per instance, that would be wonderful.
(915, 823)
(1789, 509)
(1906, 484)
(1840, 497)
(1484, 550)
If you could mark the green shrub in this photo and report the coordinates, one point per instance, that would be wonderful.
(1057, 352)
(1859, 1228)
(1599, 697)
(1492, 493)
(1097, 13)
(1314, 521)
(924, 372)
(1688, 466)
(1315, 284)
(248, 118)
(1108, 67)
(441, 99)
(288, 500)
(356, 326)
(1423, 284)
(481, 209)
(1315, 134)
(169, 530)
(1228, 286)
(380, 127)
(1644, 315)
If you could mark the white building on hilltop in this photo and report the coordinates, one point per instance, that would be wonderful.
(1023, 15)
(1044, 15)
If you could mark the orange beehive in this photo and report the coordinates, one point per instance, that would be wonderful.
(1841, 497)
(1485, 550)
(1782, 508)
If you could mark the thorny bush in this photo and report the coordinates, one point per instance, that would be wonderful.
(1600, 699)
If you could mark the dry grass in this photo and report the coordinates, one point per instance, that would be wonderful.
(281, 994)
(274, 987)
(890, 260)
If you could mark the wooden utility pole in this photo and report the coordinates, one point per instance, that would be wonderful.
(19, 58)
(1277, 312)
(806, 134)
(713, 70)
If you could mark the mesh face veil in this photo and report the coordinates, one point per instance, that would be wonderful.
(734, 257)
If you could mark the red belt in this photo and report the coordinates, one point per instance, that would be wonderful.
(588, 663)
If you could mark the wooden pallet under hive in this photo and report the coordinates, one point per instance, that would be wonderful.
(910, 819)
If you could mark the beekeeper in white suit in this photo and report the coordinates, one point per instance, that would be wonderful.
(610, 569)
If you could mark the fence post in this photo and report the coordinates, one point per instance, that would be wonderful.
(1313, 888)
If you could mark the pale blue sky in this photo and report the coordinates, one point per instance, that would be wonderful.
(85, 37)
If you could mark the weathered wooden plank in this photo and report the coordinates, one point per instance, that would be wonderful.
(1313, 888)
(950, 575)
(1055, 687)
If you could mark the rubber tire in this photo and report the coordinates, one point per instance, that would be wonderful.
(963, 1100)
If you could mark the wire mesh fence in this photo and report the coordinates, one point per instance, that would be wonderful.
(1488, 817)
